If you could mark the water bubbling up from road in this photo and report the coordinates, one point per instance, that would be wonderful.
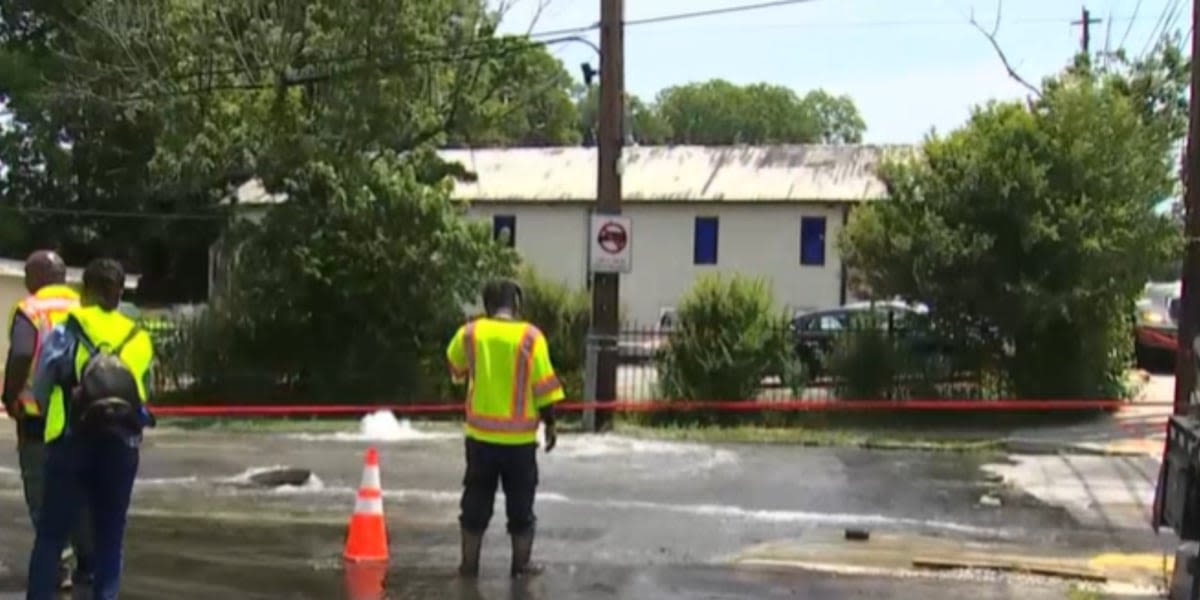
(379, 426)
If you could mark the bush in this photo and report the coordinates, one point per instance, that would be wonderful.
(865, 362)
(727, 338)
(563, 315)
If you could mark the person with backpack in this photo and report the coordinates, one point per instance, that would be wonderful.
(49, 302)
(100, 360)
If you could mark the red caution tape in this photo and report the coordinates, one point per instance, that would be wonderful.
(659, 406)
(284, 410)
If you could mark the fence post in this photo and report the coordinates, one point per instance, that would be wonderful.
(591, 350)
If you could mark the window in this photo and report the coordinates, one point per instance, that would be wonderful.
(834, 322)
(812, 241)
(504, 229)
(704, 249)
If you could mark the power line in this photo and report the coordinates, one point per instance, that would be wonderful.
(1056, 21)
(1136, 10)
(696, 14)
(368, 65)
(667, 18)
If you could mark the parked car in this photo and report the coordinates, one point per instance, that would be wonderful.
(641, 346)
(1157, 324)
(815, 332)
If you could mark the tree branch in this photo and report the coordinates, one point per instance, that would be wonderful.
(991, 38)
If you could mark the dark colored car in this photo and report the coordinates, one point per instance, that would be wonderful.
(815, 332)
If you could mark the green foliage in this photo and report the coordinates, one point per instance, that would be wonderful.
(564, 316)
(1032, 229)
(643, 123)
(351, 289)
(865, 362)
(717, 112)
(727, 338)
(168, 104)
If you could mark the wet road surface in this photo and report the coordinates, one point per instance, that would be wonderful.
(619, 518)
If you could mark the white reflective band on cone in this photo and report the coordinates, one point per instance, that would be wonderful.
(370, 479)
(368, 506)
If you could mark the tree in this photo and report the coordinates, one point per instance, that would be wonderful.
(533, 107)
(1032, 228)
(718, 112)
(362, 247)
(164, 106)
(837, 117)
(643, 125)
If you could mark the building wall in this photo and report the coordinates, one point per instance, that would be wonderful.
(757, 239)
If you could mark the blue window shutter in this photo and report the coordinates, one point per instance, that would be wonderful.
(504, 228)
(812, 241)
(704, 249)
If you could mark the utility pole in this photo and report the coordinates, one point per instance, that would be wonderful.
(1185, 359)
(1085, 22)
(611, 137)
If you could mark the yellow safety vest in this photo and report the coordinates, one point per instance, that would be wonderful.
(103, 328)
(45, 309)
(510, 377)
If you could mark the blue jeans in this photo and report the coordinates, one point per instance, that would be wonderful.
(97, 474)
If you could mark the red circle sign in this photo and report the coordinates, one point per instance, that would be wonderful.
(612, 237)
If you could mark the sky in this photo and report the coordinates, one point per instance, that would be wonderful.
(909, 65)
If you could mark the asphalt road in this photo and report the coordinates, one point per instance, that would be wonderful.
(619, 518)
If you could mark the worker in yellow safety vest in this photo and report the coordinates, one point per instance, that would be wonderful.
(30, 321)
(100, 360)
(511, 385)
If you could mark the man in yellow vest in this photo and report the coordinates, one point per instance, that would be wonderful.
(30, 322)
(510, 385)
(100, 359)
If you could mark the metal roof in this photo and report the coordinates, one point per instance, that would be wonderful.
(798, 173)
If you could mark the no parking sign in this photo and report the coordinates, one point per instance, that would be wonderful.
(610, 248)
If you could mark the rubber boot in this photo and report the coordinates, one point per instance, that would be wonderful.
(522, 551)
(472, 545)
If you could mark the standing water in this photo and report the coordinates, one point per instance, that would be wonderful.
(379, 426)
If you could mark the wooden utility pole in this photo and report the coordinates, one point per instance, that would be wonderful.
(606, 286)
(1085, 22)
(1185, 359)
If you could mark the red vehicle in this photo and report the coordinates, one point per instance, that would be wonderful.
(1157, 322)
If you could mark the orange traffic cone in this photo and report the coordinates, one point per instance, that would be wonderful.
(364, 581)
(366, 538)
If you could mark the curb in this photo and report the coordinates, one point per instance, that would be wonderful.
(1117, 588)
(1047, 447)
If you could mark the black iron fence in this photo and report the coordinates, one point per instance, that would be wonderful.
(847, 365)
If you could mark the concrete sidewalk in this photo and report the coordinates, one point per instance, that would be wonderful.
(1138, 429)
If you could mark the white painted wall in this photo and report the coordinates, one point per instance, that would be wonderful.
(754, 239)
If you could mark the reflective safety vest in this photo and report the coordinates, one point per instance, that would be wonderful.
(46, 308)
(103, 328)
(509, 379)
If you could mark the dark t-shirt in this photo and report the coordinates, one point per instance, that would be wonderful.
(22, 339)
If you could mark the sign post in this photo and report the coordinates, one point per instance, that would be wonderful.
(610, 250)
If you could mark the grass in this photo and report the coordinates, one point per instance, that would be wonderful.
(900, 439)
(1078, 592)
(945, 431)
(856, 438)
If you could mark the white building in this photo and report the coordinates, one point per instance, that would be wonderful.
(771, 212)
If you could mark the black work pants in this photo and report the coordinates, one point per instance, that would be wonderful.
(514, 467)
